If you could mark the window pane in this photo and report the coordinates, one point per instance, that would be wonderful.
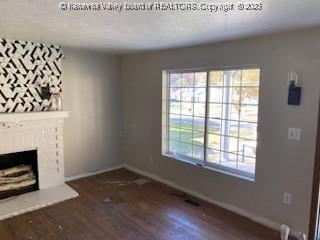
(215, 110)
(214, 126)
(201, 79)
(229, 144)
(213, 141)
(198, 152)
(186, 122)
(249, 113)
(199, 109)
(175, 94)
(187, 108)
(175, 79)
(234, 127)
(231, 112)
(198, 138)
(250, 77)
(248, 130)
(174, 120)
(213, 156)
(200, 94)
(246, 164)
(216, 94)
(186, 149)
(174, 134)
(229, 160)
(247, 148)
(174, 146)
(198, 124)
(186, 136)
(187, 80)
(230, 128)
(235, 77)
(250, 95)
(175, 107)
(216, 78)
(234, 95)
(187, 94)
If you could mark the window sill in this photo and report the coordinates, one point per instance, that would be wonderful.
(198, 164)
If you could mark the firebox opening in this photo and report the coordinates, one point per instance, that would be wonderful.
(18, 173)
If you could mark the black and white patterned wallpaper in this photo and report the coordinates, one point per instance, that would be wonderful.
(25, 67)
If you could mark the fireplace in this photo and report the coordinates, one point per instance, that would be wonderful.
(18, 173)
(31, 146)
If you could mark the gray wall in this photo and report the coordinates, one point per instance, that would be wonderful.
(282, 165)
(91, 93)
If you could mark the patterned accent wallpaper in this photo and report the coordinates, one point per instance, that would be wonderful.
(25, 67)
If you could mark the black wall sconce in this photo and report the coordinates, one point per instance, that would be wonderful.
(45, 92)
(294, 95)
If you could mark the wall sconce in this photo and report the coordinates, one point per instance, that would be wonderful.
(45, 92)
(294, 95)
(45, 88)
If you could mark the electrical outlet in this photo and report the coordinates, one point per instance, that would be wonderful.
(294, 134)
(287, 198)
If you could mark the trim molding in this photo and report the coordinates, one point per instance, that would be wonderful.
(253, 217)
(88, 174)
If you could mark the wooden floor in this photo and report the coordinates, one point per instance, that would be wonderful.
(111, 206)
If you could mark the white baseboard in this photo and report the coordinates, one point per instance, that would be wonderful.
(254, 217)
(83, 175)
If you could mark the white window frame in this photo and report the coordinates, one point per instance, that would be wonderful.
(165, 123)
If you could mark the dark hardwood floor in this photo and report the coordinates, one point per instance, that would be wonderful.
(111, 206)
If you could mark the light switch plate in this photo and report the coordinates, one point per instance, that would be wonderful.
(294, 134)
(287, 198)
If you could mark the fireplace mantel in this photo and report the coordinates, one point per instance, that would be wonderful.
(27, 116)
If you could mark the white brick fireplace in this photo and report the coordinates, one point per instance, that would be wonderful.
(41, 131)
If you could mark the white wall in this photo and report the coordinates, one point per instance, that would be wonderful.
(282, 165)
(91, 93)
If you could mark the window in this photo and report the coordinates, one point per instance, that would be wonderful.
(210, 118)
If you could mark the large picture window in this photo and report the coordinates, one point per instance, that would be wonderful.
(211, 118)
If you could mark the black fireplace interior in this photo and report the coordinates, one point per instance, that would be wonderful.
(9, 163)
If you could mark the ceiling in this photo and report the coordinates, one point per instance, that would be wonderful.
(132, 31)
